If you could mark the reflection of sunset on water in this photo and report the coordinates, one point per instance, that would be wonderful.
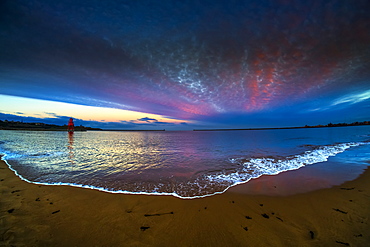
(71, 155)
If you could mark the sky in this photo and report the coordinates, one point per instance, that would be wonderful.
(182, 65)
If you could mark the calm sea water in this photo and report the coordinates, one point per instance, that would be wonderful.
(186, 164)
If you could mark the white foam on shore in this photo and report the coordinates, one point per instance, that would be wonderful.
(257, 167)
(252, 168)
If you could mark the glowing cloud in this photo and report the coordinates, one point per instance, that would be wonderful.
(352, 98)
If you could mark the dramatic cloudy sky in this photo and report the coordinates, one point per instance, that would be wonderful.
(185, 64)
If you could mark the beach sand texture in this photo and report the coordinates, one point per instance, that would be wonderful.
(35, 215)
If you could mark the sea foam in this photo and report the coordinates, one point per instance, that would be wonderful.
(256, 167)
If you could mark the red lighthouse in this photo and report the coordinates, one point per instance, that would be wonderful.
(71, 126)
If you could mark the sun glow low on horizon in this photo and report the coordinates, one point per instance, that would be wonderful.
(28, 107)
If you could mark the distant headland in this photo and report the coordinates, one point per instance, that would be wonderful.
(17, 125)
(302, 127)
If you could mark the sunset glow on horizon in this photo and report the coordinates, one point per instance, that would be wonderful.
(45, 109)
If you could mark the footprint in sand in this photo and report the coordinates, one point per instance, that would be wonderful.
(149, 215)
(340, 242)
(144, 228)
(340, 211)
(312, 234)
(265, 216)
(279, 219)
(347, 188)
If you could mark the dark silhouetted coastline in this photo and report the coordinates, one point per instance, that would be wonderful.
(302, 127)
(17, 125)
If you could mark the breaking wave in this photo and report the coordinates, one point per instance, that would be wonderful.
(256, 167)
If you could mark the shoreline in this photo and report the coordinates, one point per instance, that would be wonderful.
(237, 183)
(41, 215)
(310, 178)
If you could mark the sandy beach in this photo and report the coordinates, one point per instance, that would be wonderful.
(35, 215)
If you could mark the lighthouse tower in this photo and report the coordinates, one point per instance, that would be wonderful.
(71, 126)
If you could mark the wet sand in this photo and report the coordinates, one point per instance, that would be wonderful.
(35, 215)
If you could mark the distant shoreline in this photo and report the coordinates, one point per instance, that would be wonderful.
(16, 125)
(330, 125)
(128, 130)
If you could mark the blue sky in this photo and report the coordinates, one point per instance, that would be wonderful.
(185, 64)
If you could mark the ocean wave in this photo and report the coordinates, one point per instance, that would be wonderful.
(256, 167)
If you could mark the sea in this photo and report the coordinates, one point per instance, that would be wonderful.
(185, 164)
